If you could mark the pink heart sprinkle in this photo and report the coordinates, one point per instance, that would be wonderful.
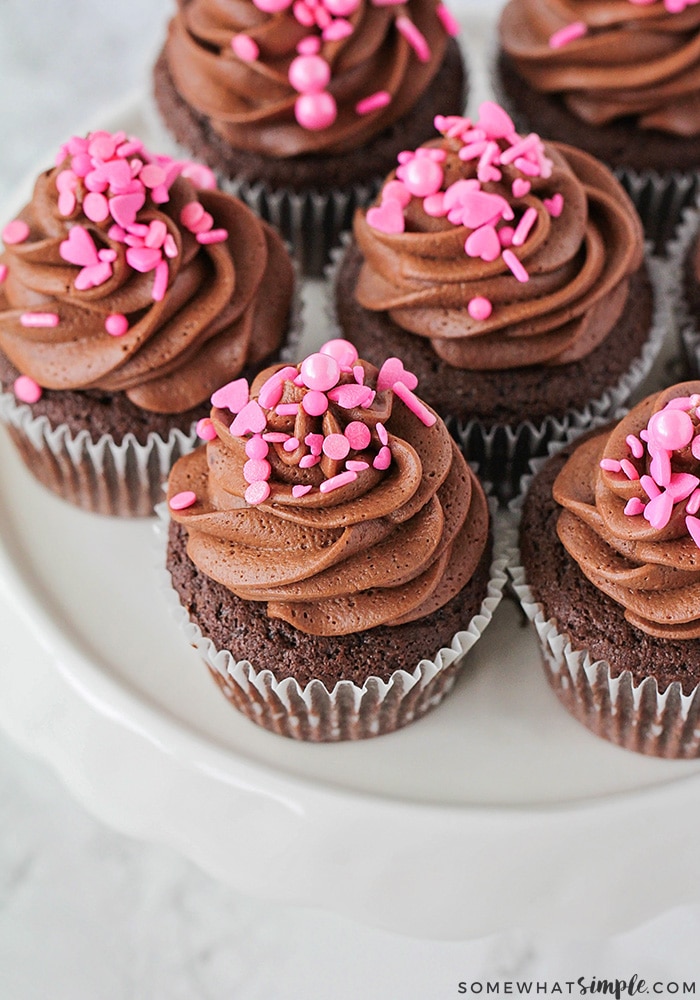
(483, 243)
(396, 191)
(93, 276)
(521, 187)
(393, 371)
(233, 396)
(554, 205)
(383, 459)
(494, 121)
(633, 507)
(387, 218)
(250, 420)
(124, 207)
(658, 511)
(143, 259)
(300, 491)
(79, 248)
(350, 396)
(479, 208)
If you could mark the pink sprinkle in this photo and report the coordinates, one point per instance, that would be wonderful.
(479, 308)
(523, 228)
(335, 482)
(374, 102)
(39, 319)
(567, 34)
(505, 236)
(350, 396)
(634, 445)
(693, 526)
(3, 272)
(554, 205)
(382, 459)
(143, 259)
(245, 47)
(160, 282)
(343, 351)
(352, 465)
(383, 436)
(205, 429)
(629, 469)
(633, 507)
(291, 444)
(66, 203)
(272, 389)
(520, 187)
(336, 30)
(116, 325)
(15, 232)
(157, 231)
(287, 409)
(693, 505)
(250, 420)
(448, 20)
(182, 500)
(512, 262)
(257, 493)
(300, 491)
(358, 435)
(414, 37)
(396, 191)
(256, 470)
(314, 442)
(695, 447)
(336, 446)
(309, 46)
(256, 447)
(213, 236)
(275, 437)
(520, 148)
(308, 461)
(233, 396)
(609, 465)
(649, 487)
(658, 511)
(472, 150)
(527, 167)
(319, 371)
(415, 405)
(26, 389)
(359, 373)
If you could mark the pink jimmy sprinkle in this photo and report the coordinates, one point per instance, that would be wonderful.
(634, 445)
(213, 236)
(448, 20)
(15, 232)
(26, 389)
(39, 319)
(291, 444)
(299, 491)
(629, 469)
(352, 465)
(693, 505)
(520, 148)
(609, 465)
(183, 500)
(3, 272)
(515, 266)
(415, 405)
(382, 433)
(287, 409)
(522, 230)
(308, 461)
(414, 37)
(335, 482)
(275, 437)
(568, 34)
(160, 281)
(693, 526)
(374, 102)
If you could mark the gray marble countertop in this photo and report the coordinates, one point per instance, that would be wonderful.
(86, 913)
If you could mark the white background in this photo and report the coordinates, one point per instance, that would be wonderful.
(86, 914)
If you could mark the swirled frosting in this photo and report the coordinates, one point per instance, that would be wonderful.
(611, 60)
(501, 250)
(130, 272)
(284, 78)
(631, 498)
(331, 492)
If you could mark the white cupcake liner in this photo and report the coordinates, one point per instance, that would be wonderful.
(686, 324)
(635, 715)
(502, 451)
(660, 200)
(349, 711)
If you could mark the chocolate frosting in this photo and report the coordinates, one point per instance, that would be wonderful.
(577, 263)
(389, 546)
(226, 303)
(634, 61)
(251, 102)
(631, 527)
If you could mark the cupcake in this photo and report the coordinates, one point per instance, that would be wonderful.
(510, 276)
(330, 548)
(620, 79)
(126, 283)
(610, 552)
(303, 106)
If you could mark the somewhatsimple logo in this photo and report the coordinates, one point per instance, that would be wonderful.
(583, 986)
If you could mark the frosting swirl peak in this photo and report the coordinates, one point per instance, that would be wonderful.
(331, 492)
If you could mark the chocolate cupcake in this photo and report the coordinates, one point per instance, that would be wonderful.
(610, 553)
(302, 107)
(330, 548)
(618, 78)
(126, 283)
(510, 275)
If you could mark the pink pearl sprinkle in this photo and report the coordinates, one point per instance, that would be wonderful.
(300, 491)
(315, 111)
(414, 37)
(382, 459)
(336, 446)
(374, 102)
(671, 429)
(320, 371)
(116, 325)
(257, 493)
(213, 236)
(567, 34)
(39, 319)
(181, 501)
(315, 403)
(341, 350)
(335, 482)
(15, 232)
(256, 470)
(479, 308)
(205, 429)
(422, 177)
(245, 47)
(26, 389)
(358, 435)
(633, 507)
(309, 74)
(257, 448)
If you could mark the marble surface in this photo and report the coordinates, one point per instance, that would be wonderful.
(86, 913)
